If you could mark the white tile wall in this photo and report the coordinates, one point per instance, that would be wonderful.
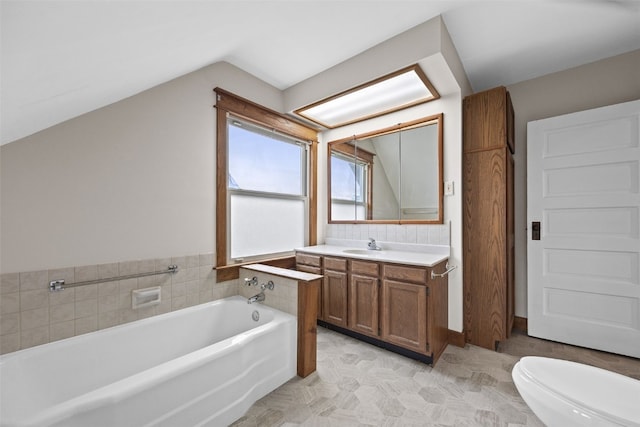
(427, 234)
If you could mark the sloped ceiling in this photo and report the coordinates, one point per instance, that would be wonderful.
(61, 59)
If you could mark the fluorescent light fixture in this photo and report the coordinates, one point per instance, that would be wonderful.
(402, 89)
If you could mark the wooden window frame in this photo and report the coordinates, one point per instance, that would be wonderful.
(228, 103)
(364, 157)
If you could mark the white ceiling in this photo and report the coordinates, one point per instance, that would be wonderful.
(61, 59)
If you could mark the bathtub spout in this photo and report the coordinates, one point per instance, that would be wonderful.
(259, 298)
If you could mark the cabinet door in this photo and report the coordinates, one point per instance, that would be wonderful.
(334, 298)
(404, 315)
(485, 246)
(363, 304)
(484, 125)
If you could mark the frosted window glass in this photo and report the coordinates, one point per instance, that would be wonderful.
(264, 225)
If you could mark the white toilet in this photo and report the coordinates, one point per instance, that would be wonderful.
(563, 393)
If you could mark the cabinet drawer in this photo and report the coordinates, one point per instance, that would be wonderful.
(364, 267)
(306, 259)
(338, 264)
(410, 274)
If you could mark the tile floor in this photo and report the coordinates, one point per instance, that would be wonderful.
(357, 384)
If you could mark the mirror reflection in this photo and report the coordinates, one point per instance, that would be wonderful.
(390, 175)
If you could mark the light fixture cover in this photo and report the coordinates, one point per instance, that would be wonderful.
(395, 91)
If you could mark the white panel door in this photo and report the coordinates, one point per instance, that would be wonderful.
(583, 188)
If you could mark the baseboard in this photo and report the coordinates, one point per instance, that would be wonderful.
(520, 324)
(456, 338)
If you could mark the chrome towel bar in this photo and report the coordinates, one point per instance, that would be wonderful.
(59, 285)
(448, 270)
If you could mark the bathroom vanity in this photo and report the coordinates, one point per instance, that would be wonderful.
(394, 298)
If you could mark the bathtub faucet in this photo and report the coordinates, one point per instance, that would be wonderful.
(251, 282)
(256, 298)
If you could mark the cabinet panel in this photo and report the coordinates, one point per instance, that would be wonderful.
(310, 260)
(364, 267)
(404, 315)
(334, 297)
(484, 262)
(411, 274)
(438, 312)
(363, 304)
(485, 120)
(337, 264)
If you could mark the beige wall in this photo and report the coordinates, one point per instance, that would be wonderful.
(606, 82)
(136, 180)
(133, 180)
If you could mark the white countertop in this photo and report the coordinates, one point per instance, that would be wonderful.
(401, 253)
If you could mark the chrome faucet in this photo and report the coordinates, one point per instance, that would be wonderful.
(372, 245)
(259, 297)
(256, 298)
(251, 282)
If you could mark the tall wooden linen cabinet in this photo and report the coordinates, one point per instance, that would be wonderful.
(488, 218)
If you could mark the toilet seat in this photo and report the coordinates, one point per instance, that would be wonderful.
(597, 392)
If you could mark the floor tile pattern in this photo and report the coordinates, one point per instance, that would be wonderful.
(357, 384)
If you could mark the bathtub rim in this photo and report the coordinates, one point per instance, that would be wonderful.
(111, 329)
(150, 377)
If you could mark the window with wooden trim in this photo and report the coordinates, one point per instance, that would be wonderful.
(266, 179)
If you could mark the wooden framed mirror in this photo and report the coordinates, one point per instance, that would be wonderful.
(389, 176)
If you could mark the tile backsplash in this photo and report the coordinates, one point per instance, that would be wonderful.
(429, 234)
(31, 315)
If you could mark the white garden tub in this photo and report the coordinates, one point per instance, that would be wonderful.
(204, 365)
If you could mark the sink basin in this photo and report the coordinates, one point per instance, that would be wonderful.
(360, 252)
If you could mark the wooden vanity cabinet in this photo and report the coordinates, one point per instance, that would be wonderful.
(335, 291)
(399, 307)
(364, 299)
